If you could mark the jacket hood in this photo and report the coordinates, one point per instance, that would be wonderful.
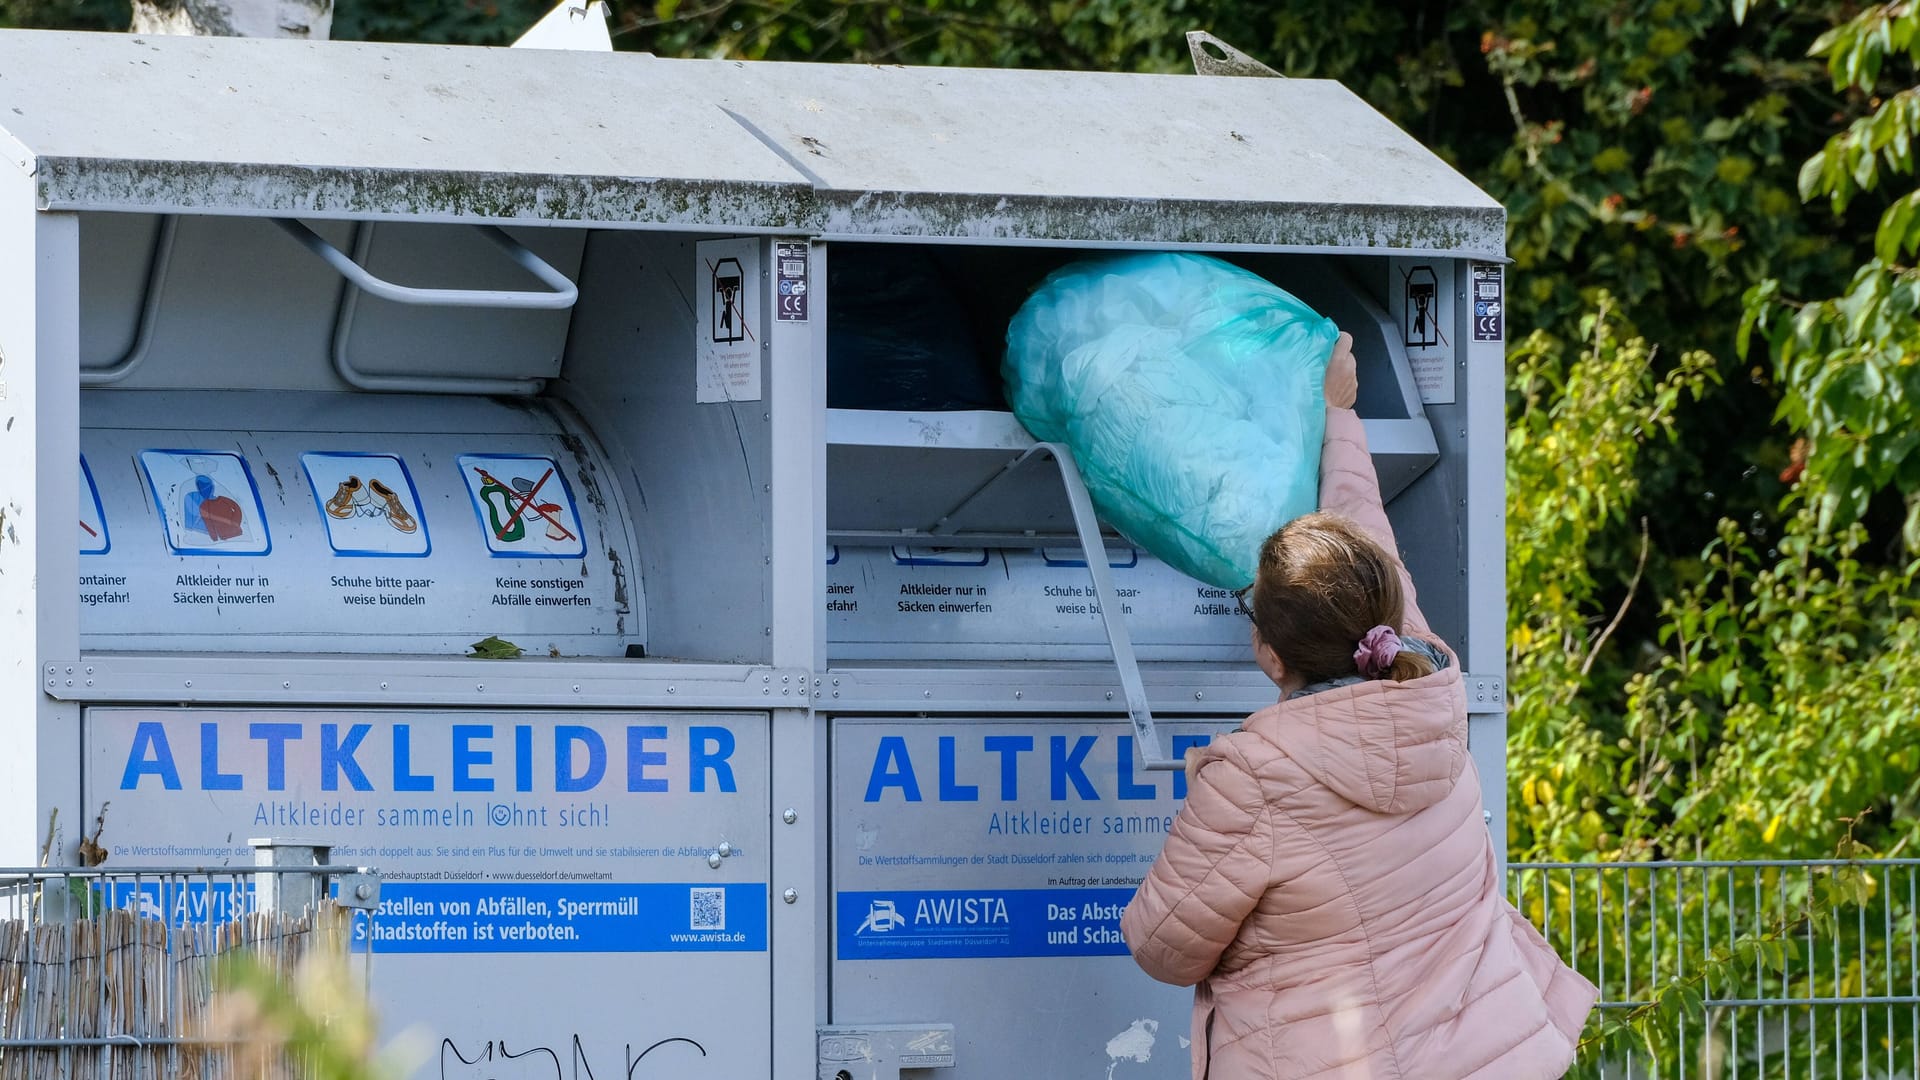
(1388, 747)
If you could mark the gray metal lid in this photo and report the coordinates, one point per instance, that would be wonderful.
(340, 129)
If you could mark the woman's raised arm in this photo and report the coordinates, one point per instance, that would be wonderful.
(1348, 485)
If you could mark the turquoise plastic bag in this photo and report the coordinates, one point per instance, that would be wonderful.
(1191, 392)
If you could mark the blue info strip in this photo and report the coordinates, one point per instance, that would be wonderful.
(910, 925)
(590, 917)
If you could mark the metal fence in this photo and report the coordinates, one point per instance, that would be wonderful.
(110, 972)
(1839, 996)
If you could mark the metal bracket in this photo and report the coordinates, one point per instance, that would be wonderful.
(1486, 694)
(1211, 56)
(880, 1051)
(358, 890)
(565, 293)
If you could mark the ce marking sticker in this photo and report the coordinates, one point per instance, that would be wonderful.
(790, 282)
(1489, 303)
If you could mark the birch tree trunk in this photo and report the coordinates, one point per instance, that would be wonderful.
(309, 19)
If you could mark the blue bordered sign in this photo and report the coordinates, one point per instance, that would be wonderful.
(368, 504)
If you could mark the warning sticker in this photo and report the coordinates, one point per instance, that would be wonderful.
(525, 506)
(1489, 303)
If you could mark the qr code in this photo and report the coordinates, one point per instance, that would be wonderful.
(709, 909)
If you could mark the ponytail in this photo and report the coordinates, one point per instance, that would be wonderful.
(1410, 664)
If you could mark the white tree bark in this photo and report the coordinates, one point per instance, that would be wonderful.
(309, 19)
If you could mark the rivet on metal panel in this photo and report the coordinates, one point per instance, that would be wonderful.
(766, 487)
(766, 678)
(52, 670)
(383, 686)
(53, 682)
(1483, 695)
(670, 690)
(1018, 694)
(1486, 816)
(576, 688)
(1199, 695)
(479, 686)
(69, 682)
(789, 815)
(69, 669)
(790, 896)
(1109, 695)
(785, 690)
(836, 682)
(89, 682)
(713, 859)
(89, 669)
(286, 684)
(836, 693)
(189, 684)
(926, 693)
(768, 690)
(786, 678)
(726, 850)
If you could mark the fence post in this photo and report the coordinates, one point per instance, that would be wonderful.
(289, 893)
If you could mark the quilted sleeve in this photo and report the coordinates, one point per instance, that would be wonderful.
(1211, 872)
(1349, 487)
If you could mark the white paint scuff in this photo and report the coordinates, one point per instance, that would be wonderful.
(1133, 1044)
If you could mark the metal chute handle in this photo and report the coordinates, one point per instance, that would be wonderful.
(564, 295)
(1111, 617)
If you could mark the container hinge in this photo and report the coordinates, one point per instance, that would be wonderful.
(880, 1051)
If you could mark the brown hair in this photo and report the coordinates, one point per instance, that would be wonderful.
(1323, 584)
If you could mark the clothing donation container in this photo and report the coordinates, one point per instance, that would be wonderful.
(577, 485)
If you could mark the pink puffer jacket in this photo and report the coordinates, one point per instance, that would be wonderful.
(1331, 886)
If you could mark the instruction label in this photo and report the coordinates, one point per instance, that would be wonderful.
(583, 917)
(727, 303)
(207, 502)
(367, 504)
(524, 505)
(1421, 296)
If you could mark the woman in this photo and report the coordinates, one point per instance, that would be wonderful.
(1330, 884)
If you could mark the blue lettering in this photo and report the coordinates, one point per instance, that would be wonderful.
(211, 778)
(465, 757)
(892, 768)
(565, 736)
(1181, 743)
(523, 757)
(1128, 788)
(949, 790)
(337, 757)
(700, 759)
(639, 757)
(150, 754)
(403, 777)
(1009, 747)
(275, 736)
(1067, 766)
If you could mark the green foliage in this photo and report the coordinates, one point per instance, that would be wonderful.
(1846, 364)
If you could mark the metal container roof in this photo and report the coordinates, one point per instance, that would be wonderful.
(351, 130)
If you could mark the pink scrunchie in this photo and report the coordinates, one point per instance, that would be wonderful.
(1377, 652)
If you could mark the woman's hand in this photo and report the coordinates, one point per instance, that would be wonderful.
(1343, 383)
